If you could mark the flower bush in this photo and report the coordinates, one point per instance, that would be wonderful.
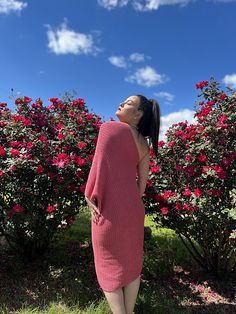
(191, 188)
(45, 156)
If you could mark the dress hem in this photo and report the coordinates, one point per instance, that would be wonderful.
(121, 286)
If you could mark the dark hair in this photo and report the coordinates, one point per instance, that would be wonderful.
(149, 124)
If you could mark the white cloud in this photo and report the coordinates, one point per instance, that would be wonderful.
(168, 97)
(111, 4)
(6, 6)
(174, 118)
(137, 57)
(148, 5)
(118, 61)
(230, 79)
(147, 77)
(64, 40)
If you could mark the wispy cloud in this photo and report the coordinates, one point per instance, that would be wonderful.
(137, 57)
(230, 79)
(111, 4)
(118, 61)
(149, 5)
(176, 117)
(168, 97)
(147, 76)
(64, 41)
(8, 6)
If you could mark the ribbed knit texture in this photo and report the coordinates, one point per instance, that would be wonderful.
(118, 237)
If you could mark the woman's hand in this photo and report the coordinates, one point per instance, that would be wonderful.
(94, 209)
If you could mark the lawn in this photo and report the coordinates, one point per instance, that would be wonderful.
(64, 281)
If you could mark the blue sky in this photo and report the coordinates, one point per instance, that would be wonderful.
(107, 50)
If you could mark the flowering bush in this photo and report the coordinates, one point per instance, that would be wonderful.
(192, 181)
(45, 157)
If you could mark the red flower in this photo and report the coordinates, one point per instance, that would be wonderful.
(202, 158)
(216, 193)
(179, 206)
(197, 192)
(81, 145)
(205, 169)
(80, 161)
(43, 138)
(61, 136)
(202, 84)
(155, 169)
(2, 152)
(210, 103)
(164, 210)
(15, 152)
(168, 193)
(40, 169)
(223, 96)
(188, 157)
(187, 192)
(2, 173)
(220, 172)
(26, 122)
(70, 220)
(161, 143)
(50, 209)
(82, 188)
(27, 99)
(171, 144)
(17, 208)
(205, 111)
(30, 145)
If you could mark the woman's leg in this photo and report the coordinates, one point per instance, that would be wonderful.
(130, 295)
(116, 301)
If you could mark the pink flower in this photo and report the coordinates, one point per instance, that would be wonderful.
(197, 192)
(164, 210)
(188, 157)
(43, 138)
(187, 192)
(171, 144)
(2, 173)
(155, 169)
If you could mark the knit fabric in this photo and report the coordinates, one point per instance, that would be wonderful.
(118, 236)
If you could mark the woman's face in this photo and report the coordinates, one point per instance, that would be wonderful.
(128, 110)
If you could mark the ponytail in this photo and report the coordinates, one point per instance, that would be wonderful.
(149, 124)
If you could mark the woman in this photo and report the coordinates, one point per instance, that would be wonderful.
(115, 198)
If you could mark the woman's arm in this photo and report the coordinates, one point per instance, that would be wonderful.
(143, 172)
(94, 209)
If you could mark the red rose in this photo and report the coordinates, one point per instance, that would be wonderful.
(40, 169)
(15, 152)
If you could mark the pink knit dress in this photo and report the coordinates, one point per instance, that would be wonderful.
(118, 236)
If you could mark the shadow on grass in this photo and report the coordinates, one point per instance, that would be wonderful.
(171, 282)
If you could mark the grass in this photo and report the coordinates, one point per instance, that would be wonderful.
(64, 281)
